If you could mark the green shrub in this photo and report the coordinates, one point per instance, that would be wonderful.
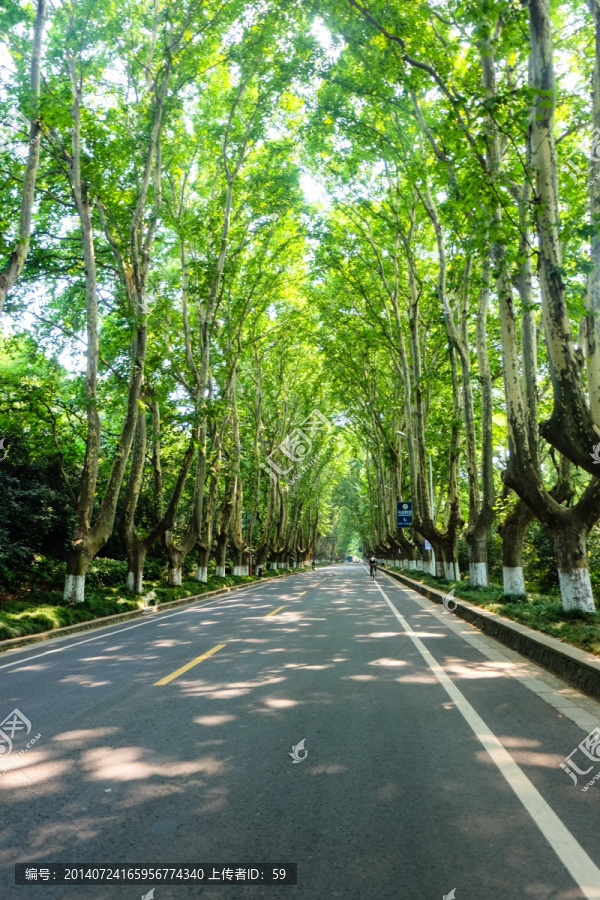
(155, 568)
(47, 571)
(539, 561)
(463, 555)
(44, 610)
(106, 572)
(494, 551)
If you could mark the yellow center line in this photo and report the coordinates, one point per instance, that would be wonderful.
(272, 613)
(300, 594)
(189, 665)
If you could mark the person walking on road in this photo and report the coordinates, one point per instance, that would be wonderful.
(372, 567)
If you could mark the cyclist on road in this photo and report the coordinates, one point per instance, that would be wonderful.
(372, 567)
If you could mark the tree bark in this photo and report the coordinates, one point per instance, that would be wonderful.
(133, 271)
(13, 268)
(205, 540)
(591, 343)
(136, 546)
(512, 531)
(223, 525)
(571, 427)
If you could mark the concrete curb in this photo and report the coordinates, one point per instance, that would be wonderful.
(14, 643)
(576, 666)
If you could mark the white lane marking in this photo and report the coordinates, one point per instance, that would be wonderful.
(157, 617)
(581, 710)
(572, 855)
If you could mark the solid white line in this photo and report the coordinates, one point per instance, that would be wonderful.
(155, 618)
(572, 855)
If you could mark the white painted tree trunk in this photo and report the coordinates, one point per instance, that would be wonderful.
(240, 570)
(202, 574)
(175, 577)
(220, 572)
(478, 575)
(513, 580)
(130, 583)
(576, 589)
(451, 571)
(74, 591)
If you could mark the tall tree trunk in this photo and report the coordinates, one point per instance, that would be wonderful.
(178, 551)
(239, 549)
(523, 471)
(592, 322)
(262, 548)
(205, 540)
(223, 525)
(479, 528)
(571, 427)
(133, 271)
(13, 268)
(481, 511)
(136, 546)
(512, 531)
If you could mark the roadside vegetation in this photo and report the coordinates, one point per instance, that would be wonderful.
(39, 610)
(540, 612)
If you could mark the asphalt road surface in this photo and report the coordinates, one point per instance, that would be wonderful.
(429, 768)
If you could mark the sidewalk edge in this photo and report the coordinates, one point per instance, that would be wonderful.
(579, 668)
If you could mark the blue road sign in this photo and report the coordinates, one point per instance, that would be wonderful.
(428, 546)
(404, 512)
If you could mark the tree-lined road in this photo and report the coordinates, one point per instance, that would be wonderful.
(429, 766)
